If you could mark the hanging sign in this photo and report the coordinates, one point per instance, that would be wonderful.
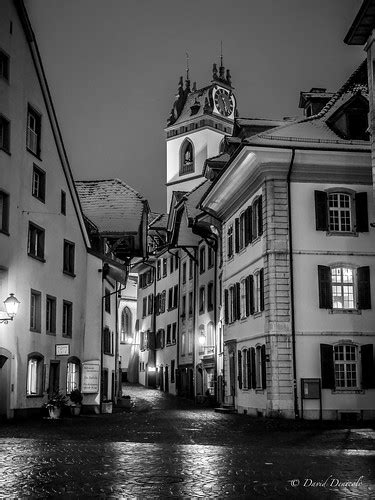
(90, 376)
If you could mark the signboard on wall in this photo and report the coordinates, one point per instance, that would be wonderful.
(62, 349)
(90, 376)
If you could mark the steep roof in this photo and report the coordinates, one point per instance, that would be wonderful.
(362, 25)
(315, 129)
(112, 205)
(159, 222)
(198, 99)
(192, 199)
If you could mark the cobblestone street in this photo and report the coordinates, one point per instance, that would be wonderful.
(165, 447)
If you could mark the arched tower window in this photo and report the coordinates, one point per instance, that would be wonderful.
(126, 324)
(186, 157)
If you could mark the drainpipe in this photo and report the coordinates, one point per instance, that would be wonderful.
(292, 312)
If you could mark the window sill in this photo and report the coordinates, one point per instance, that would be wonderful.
(33, 396)
(342, 233)
(345, 311)
(5, 151)
(35, 330)
(39, 198)
(108, 354)
(41, 259)
(257, 314)
(36, 155)
(52, 334)
(259, 391)
(349, 390)
(6, 233)
(67, 335)
(68, 273)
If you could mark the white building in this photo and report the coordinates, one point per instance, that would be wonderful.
(298, 261)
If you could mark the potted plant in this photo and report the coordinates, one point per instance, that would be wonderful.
(124, 402)
(56, 402)
(76, 402)
(107, 406)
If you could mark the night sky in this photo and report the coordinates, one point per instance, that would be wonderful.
(113, 68)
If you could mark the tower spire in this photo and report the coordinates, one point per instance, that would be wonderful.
(187, 87)
(221, 69)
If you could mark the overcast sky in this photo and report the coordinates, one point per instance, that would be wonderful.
(113, 68)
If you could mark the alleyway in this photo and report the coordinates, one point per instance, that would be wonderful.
(165, 447)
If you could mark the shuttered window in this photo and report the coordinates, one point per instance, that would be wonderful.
(344, 287)
(341, 212)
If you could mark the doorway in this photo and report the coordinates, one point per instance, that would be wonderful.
(54, 377)
(4, 383)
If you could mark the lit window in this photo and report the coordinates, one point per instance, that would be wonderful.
(72, 375)
(126, 324)
(341, 212)
(342, 288)
(34, 375)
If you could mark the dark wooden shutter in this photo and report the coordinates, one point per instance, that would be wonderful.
(247, 296)
(226, 305)
(321, 211)
(325, 287)
(251, 295)
(260, 216)
(327, 366)
(253, 369)
(248, 363)
(368, 368)
(361, 213)
(250, 224)
(238, 301)
(261, 285)
(247, 234)
(264, 371)
(240, 369)
(364, 292)
(237, 235)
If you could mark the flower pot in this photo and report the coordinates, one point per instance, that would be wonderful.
(107, 407)
(54, 412)
(75, 410)
(124, 403)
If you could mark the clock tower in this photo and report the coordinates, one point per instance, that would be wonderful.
(198, 122)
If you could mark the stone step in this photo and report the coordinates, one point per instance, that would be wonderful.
(225, 409)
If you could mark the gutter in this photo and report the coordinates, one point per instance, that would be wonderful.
(292, 311)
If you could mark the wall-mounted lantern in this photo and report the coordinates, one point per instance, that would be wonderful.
(11, 307)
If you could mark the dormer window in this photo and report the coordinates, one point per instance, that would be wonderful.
(350, 122)
(187, 158)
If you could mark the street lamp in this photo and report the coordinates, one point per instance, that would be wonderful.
(202, 338)
(11, 307)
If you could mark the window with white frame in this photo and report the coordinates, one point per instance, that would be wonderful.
(258, 367)
(50, 314)
(67, 318)
(244, 298)
(38, 189)
(33, 135)
(35, 310)
(344, 287)
(258, 291)
(230, 241)
(34, 384)
(341, 211)
(346, 366)
(339, 206)
(241, 236)
(190, 341)
(35, 247)
(245, 368)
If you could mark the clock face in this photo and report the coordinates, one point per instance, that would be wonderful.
(224, 102)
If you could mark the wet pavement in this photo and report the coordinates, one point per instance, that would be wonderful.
(165, 447)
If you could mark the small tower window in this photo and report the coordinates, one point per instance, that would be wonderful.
(187, 158)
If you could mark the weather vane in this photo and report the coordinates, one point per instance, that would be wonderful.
(187, 66)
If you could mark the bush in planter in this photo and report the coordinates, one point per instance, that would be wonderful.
(55, 404)
(76, 396)
(124, 402)
(76, 399)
